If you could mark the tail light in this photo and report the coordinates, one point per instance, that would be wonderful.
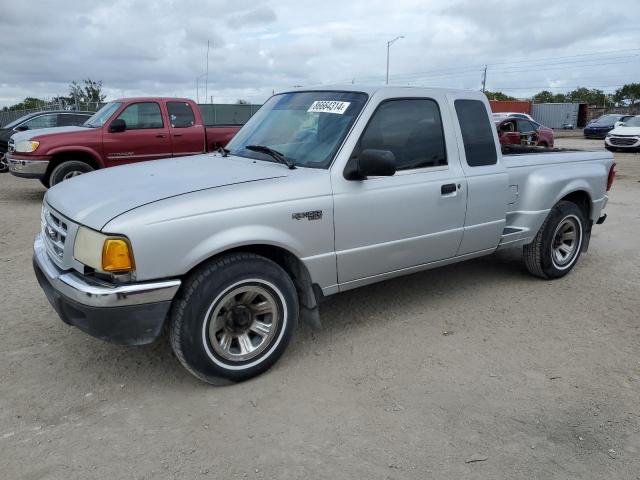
(611, 177)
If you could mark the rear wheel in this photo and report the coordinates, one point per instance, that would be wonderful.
(557, 246)
(234, 318)
(67, 170)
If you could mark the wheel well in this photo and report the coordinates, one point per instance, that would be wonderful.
(308, 293)
(582, 200)
(63, 157)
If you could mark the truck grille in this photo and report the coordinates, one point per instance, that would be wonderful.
(623, 140)
(11, 146)
(54, 231)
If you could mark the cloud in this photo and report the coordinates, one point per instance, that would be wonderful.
(158, 47)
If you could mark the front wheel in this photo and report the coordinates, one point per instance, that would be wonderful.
(67, 170)
(4, 165)
(558, 244)
(234, 318)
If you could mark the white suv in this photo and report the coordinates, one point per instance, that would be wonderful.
(626, 135)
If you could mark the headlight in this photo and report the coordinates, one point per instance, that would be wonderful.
(105, 253)
(27, 146)
(608, 134)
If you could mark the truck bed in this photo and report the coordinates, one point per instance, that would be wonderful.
(539, 179)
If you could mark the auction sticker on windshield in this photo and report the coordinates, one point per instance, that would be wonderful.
(329, 106)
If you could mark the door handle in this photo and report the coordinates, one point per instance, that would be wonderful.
(160, 135)
(177, 135)
(448, 188)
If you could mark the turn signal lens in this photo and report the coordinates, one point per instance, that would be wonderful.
(117, 256)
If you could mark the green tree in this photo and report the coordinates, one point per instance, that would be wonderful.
(592, 96)
(628, 94)
(27, 104)
(498, 96)
(90, 91)
(544, 96)
(242, 101)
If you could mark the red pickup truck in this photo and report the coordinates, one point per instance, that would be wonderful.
(123, 131)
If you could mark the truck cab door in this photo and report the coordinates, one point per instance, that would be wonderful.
(146, 136)
(187, 137)
(386, 225)
(487, 178)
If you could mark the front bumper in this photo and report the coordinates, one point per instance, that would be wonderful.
(127, 314)
(35, 167)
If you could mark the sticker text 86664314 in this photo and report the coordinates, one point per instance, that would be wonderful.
(329, 106)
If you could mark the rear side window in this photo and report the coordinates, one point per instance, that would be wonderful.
(477, 134)
(180, 115)
(67, 119)
(411, 129)
(142, 115)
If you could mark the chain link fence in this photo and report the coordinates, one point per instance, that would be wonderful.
(8, 116)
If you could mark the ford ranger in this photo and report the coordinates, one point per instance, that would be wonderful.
(123, 131)
(320, 192)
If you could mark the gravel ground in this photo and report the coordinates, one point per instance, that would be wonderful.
(410, 378)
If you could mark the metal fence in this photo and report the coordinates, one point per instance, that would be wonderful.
(227, 114)
(212, 113)
(8, 116)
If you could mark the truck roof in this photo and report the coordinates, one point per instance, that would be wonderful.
(371, 89)
(152, 99)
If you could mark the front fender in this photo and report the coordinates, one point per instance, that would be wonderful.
(77, 148)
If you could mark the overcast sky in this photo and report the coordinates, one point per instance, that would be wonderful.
(158, 47)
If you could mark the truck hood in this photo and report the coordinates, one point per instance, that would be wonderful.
(96, 198)
(40, 132)
(625, 131)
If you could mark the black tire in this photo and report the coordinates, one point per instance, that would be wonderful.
(67, 170)
(539, 256)
(4, 165)
(204, 292)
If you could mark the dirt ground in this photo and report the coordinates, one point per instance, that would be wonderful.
(409, 379)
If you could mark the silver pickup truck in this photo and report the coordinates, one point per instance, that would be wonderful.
(322, 191)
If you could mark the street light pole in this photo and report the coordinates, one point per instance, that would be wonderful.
(198, 88)
(206, 82)
(389, 43)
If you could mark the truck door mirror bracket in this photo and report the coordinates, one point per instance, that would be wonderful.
(370, 163)
(118, 125)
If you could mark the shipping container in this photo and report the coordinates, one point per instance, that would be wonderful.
(510, 106)
(557, 115)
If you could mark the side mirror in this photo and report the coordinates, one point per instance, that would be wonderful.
(118, 125)
(22, 128)
(371, 163)
(618, 124)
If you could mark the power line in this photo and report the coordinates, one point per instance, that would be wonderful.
(466, 70)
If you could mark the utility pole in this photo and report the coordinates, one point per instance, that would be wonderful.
(206, 82)
(389, 43)
(484, 78)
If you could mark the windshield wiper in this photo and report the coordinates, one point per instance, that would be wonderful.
(279, 157)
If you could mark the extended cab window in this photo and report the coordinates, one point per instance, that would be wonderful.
(180, 115)
(477, 133)
(142, 115)
(411, 129)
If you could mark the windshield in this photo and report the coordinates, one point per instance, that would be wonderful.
(632, 122)
(17, 122)
(102, 115)
(306, 127)
(607, 120)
